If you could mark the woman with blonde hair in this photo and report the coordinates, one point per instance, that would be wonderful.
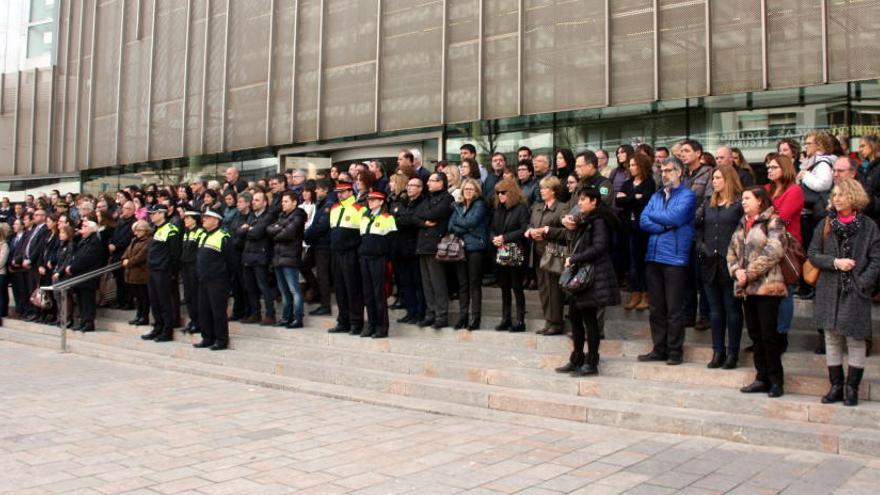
(546, 232)
(507, 233)
(469, 221)
(715, 224)
(453, 181)
(846, 250)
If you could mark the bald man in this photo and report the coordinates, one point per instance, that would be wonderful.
(234, 182)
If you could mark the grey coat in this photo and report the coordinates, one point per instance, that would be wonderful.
(848, 315)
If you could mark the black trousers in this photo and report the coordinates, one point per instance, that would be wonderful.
(324, 274)
(510, 278)
(191, 292)
(470, 285)
(435, 289)
(87, 305)
(18, 280)
(213, 322)
(666, 284)
(175, 299)
(256, 283)
(123, 294)
(142, 300)
(161, 295)
(762, 314)
(349, 289)
(584, 327)
(241, 307)
(373, 280)
(409, 285)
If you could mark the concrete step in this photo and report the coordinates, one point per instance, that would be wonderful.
(596, 410)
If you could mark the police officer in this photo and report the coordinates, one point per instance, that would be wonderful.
(345, 237)
(163, 258)
(191, 239)
(216, 261)
(377, 232)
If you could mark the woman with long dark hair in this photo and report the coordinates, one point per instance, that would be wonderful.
(507, 233)
(632, 199)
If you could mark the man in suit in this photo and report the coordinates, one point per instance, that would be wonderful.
(33, 257)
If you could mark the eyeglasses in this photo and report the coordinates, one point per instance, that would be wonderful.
(773, 167)
(499, 193)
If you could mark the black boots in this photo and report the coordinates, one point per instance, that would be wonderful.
(575, 361)
(504, 325)
(851, 390)
(731, 361)
(835, 393)
(718, 359)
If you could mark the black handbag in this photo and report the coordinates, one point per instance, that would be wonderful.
(577, 278)
(450, 249)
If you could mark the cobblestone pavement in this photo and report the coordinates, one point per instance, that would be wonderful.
(71, 424)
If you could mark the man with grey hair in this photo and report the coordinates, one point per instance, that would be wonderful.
(234, 182)
(542, 166)
(119, 241)
(724, 156)
(88, 255)
(669, 220)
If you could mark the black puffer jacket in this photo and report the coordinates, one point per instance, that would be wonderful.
(257, 243)
(592, 244)
(404, 211)
(511, 223)
(437, 208)
(287, 233)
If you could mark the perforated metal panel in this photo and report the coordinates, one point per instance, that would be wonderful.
(7, 122)
(794, 39)
(682, 41)
(215, 98)
(412, 51)
(22, 148)
(196, 73)
(307, 54)
(282, 72)
(41, 122)
(135, 83)
(500, 45)
(462, 60)
(106, 70)
(632, 51)
(168, 65)
(736, 46)
(852, 39)
(563, 55)
(248, 63)
(349, 67)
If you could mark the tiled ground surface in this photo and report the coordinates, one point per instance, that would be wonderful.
(70, 424)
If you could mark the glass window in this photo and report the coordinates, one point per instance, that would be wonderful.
(504, 136)
(655, 123)
(42, 10)
(40, 39)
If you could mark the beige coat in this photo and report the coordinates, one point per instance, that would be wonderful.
(759, 252)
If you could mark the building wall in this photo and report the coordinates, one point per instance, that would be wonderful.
(140, 80)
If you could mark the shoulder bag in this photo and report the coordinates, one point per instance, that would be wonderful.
(553, 259)
(811, 271)
(450, 249)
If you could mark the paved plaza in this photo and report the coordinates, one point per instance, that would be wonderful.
(73, 424)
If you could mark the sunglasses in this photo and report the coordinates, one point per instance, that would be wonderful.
(499, 193)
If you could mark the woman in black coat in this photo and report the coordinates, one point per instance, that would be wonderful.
(49, 261)
(403, 253)
(592, 244)
(433, 216)
(62, 258)
(507, 232)
(287, 233)
(88, 255)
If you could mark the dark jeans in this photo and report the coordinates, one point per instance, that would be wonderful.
(434, 288)
(142, 300)
(4, 296)
(409, 285)
(87, 305)
(511, 278)
(638, 249)
(470, 285)
(349, 289)
(160, 294)
(213, 299)
(726, 316)
(373, 279)
(666, 285)
(584, 326)
(240, 305)
(696, 306)
(761, 314)
(256, 283)
(191, 292)
(123, 296)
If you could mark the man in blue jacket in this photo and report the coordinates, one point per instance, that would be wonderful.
(669, 219)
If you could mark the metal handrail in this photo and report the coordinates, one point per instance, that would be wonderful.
(63, 286)
(70, 282)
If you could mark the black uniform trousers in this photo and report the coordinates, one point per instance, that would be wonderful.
(373, 278)
(240, 304)
(123, 292)
(761, 315)
(161, 295)
(213, 323)
(191, 292)
(87, 305)
(666, 284)
(349, 289)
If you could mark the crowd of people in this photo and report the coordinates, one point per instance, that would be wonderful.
(698, 240)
